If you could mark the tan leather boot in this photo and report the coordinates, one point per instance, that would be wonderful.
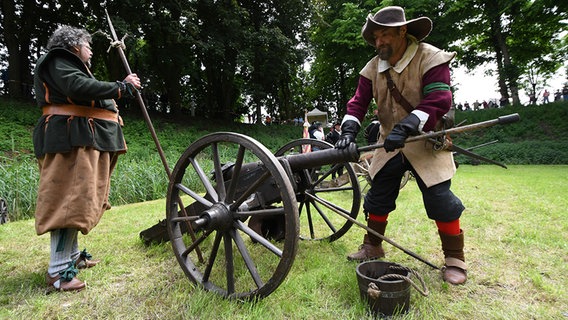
(455, 269)
(372, 247)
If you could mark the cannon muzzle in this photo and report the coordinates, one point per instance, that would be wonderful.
(320, 158)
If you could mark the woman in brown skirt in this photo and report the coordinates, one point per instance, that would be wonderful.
(77, 141)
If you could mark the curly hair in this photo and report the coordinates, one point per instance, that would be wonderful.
(68, 37)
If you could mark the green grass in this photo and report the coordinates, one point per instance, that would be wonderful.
(515, 227)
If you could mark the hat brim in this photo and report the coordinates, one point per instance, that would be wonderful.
(420, 28)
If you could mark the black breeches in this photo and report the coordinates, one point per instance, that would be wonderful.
(439, 201)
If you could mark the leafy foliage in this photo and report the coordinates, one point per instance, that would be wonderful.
(225, 59)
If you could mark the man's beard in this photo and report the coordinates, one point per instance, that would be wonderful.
(384, 52)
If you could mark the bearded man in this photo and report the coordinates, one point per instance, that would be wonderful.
(410, 82)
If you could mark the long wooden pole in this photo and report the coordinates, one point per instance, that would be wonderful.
(151, 128)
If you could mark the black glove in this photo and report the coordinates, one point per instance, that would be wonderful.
(349, 130)
(406, 127)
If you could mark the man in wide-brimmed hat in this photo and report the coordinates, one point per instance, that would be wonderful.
(415, 99)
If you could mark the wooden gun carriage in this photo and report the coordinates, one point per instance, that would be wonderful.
(231, 179)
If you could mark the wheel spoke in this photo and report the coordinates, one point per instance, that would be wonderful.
(218, 172)
(246, 257)
(195, 243)
(260, 212)
(204, 179)
(184, 218)
(250, 190)
(236, 173)
(258, 238)
(194, 195)
(324, 216)
(310, 220)
(325, 175)
(212, 256)
(229, 264)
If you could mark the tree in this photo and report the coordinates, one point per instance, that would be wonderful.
(167, 51)
(339, 52)
(509, 33)
(26, 26)
(535, 44)
(273, 55)
(18, 33)
(218, 42)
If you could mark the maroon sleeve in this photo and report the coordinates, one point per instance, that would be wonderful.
(436, 103)
(359, 104)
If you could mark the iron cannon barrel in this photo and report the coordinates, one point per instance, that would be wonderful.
(320, 158)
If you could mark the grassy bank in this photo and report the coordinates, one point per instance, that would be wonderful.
(515, 226)
(539, 138)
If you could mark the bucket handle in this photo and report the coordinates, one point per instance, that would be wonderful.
(424, 291)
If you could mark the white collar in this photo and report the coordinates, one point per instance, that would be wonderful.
(404, 61)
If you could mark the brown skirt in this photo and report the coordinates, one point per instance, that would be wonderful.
(73, 189)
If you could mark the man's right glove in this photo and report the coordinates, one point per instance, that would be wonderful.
(349, 130)
(406, 127)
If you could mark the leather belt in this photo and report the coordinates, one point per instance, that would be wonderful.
(80, 111)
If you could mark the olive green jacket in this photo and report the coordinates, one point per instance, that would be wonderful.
(61, 78)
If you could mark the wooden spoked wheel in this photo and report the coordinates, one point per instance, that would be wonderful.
(226, 179)
(322, 192)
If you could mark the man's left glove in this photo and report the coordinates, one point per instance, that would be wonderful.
(406, 127)
(349, 130)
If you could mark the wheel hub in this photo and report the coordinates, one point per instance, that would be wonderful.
(218, 217)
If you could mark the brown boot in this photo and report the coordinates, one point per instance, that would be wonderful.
(85, 260)
(455, 269)
(72, 285)
(372, 245)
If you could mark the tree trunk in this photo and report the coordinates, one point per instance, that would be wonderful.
(510, 72)
(504, 100)
(10, 24)
(506, 70)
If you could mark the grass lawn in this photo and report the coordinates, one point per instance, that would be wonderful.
(515, 224)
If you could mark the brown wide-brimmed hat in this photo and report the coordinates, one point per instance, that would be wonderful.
(394, 16)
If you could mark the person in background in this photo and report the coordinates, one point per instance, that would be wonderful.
(557, 95)
(77, 141)
(372, 130)
(334, 133)
(419, 73)
(316, 131)
(332, 137)
(545, 96)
